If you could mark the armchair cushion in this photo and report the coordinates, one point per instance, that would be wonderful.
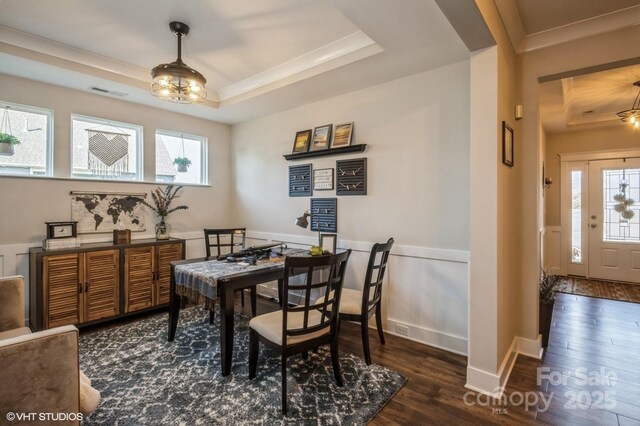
(40, 372)
(12, 302)
(15, 333)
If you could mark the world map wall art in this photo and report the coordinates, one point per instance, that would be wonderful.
(105, 212)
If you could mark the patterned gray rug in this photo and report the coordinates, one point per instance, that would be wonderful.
(145, 380)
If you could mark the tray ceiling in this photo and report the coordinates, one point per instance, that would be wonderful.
(252, 52)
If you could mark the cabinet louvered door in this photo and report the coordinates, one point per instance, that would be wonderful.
(102, 284)
(62, 289)
(139, 274)
(166, 253)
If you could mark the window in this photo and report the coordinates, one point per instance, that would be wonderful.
(181, 158)
(621, 187)
(32, 127)
(106, 150)
(576, 216)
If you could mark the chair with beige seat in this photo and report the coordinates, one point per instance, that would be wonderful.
(41, 371)
(358, 305)
(297, 329)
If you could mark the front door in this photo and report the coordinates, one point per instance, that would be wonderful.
(614, 220)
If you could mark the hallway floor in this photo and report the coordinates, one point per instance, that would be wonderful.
(591, 367)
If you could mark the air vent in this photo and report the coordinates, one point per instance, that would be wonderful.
(108, 92)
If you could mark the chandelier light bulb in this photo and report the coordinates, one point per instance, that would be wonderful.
(636, 124)
(633, 119)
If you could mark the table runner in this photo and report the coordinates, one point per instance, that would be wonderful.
(199, 281)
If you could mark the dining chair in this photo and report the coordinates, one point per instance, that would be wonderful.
(358, 305)
(224, 241)
(300, 328)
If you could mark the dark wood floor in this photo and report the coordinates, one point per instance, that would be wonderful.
(587, 333)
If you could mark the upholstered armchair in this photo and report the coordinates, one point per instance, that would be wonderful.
(40, 371)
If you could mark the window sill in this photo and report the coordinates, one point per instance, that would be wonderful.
(129, 182)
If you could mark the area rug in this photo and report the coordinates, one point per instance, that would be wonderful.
(626, 292)
(145, 380)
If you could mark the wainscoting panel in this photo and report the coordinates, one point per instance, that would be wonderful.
(425, 296)
(553, 250)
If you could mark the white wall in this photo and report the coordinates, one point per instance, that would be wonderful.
(26, 203)
(417, 132)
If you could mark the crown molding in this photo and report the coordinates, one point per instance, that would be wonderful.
(341, 52)
(589, 27)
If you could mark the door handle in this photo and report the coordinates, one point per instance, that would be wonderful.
(593, 225)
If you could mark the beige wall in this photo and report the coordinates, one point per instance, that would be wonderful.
(596, 50)
(598, 139)
(26, 203)
(417, 160)
(494, 209)
(417, 136)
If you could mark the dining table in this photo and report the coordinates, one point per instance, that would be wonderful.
(209, 279)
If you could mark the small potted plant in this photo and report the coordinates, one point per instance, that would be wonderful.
(549, 285)
(183, 163)
(162, 199)
(7, 143)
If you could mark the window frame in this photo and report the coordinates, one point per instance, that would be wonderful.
(113, 123)
(204, 156)
(49, 113)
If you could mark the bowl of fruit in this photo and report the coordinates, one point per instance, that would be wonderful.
(317, 251)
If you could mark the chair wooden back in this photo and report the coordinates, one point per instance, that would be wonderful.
(329, 276)
(231, 239)
(372, 290)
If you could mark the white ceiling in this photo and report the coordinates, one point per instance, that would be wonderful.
(590, 100)
(542, 15)
(259, 56)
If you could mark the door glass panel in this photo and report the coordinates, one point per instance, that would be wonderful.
(621, 195)
(576, 216)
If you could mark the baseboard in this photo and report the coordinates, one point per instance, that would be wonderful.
(426, 336)
(530, 348)
(494, 384)
(483, 382)
(491, 384)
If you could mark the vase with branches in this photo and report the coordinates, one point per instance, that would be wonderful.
(162, 199)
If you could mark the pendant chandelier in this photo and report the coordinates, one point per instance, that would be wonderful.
(176, 82)
(632, 115)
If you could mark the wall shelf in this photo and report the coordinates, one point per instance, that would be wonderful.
(326, 152)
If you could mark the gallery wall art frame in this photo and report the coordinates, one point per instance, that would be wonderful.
(321, 138)
(508, 138)
(301, 142)
(342, 135)
(323, 179)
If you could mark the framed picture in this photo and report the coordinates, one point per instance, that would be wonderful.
(507, 144)
(328, 242)
(301, 144)
(342, 135)
(322, 179)
(321, 137)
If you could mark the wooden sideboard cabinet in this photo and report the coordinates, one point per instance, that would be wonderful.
(99, 282)
(147, 275)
